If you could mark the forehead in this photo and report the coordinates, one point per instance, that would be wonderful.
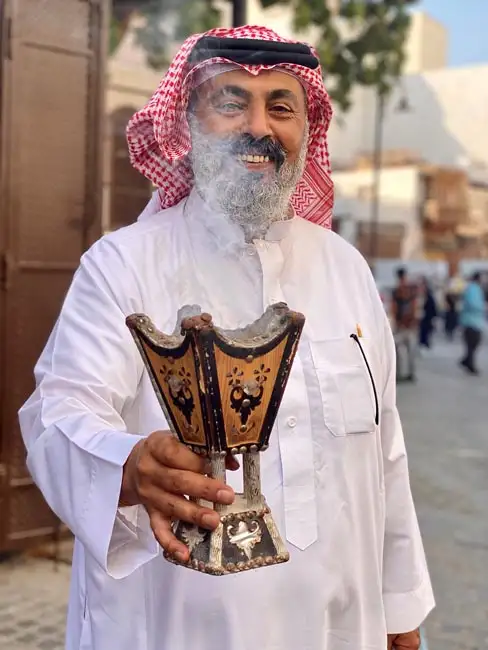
(267, 81)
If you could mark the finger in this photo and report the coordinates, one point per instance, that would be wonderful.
(231, 463)
(182, 482)
(161, 527)
(172, 453)
(176, 507)
(178, 481)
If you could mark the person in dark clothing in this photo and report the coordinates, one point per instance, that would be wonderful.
(404, 313)
(451, 316)
(426, 325)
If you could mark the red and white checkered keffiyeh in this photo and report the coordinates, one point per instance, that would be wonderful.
(159, 137)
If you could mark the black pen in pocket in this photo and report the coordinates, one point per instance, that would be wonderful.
(377, 415)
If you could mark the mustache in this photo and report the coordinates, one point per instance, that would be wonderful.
(248, 144)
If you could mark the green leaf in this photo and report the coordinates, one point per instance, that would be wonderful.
(303, 16)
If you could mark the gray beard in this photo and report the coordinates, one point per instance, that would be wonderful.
(250, 199)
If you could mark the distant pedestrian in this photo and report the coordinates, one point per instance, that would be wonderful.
(451, 315)
(429, 314)
(473, 320)
(404, 317)
(453, 296)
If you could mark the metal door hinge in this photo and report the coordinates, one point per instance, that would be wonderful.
(6, 268)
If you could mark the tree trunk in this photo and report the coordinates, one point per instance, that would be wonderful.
(239, 12)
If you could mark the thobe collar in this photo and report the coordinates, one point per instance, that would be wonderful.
(224, 234)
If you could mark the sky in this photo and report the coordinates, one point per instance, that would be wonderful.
(467, 24)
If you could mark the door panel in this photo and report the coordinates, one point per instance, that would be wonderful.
(50, 202)
(52, 154)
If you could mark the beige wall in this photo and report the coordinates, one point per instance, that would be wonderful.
(426, 46)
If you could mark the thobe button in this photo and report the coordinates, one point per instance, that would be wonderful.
(292, 421)
(250, 250)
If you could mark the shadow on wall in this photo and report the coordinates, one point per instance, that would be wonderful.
(425, 129)
(129, 190)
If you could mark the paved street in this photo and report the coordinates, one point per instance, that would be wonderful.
(33, 595)
(446, 425)
(445, 418)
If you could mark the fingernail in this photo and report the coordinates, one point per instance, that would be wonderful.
(225, 496)
(180, 556)
(210, 521)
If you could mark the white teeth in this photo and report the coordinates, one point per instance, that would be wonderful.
(253, 159)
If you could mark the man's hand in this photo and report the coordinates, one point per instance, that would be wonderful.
(160, 473)
(405, 641)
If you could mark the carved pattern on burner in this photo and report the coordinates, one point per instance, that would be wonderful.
(245, 536)
(246, 395)
(179, 386)
(179, 390)
(192, 537)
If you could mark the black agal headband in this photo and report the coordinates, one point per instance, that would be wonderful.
(251, 51)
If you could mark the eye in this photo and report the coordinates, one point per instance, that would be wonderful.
(282, 109)
(230, 107)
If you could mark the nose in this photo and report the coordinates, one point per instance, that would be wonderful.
(258, 124)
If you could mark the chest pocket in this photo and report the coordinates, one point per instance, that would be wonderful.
(347, 386)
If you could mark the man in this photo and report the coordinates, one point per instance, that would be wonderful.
(404, 307)
(473, 321)
(234, 138)
(428, 314)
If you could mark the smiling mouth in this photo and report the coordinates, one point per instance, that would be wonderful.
(249, 158)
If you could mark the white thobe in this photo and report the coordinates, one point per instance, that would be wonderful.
(336, 481)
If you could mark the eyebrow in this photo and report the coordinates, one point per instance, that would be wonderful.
(238, 91)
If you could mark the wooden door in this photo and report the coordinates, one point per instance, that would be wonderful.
(52, 77)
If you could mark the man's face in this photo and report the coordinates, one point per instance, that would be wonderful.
(249, 142)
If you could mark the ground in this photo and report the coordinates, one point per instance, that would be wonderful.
(33, 595)
(445, 417)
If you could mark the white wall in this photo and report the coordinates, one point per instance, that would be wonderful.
(353, 132)
(447, 124)
(398, 201)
